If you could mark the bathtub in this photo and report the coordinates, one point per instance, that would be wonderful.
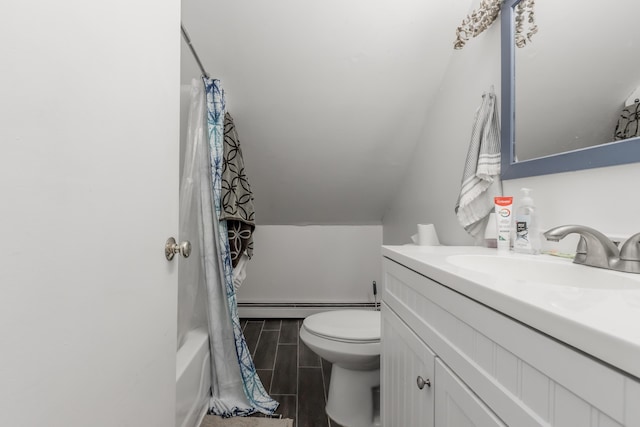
(193, 379)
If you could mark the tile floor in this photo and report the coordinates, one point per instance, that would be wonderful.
(293, 374)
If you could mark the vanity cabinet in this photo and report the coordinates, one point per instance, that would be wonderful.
(486, 369)
(407, 370)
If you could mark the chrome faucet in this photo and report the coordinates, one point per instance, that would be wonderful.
(597, 250)
(630, 254)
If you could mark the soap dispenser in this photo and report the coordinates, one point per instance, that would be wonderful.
(527, 239)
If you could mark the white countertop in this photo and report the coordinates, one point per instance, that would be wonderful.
(604, 323)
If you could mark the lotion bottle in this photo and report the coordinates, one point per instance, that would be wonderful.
(527, 237)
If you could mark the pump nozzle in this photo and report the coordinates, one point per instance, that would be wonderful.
(526, 199)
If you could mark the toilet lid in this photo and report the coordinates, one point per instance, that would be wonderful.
(345, 325)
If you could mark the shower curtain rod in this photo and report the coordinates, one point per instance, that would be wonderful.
(193, 51)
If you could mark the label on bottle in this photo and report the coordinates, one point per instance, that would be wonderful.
(522, 232)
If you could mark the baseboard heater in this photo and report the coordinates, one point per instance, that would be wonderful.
(259, 310)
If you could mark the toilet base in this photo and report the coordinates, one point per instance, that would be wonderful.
(351, 397)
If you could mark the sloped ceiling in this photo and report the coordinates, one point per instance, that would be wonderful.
(328, 96)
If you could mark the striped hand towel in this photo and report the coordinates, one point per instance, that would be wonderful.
(481, 169)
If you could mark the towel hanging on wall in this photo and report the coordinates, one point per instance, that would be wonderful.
(481, 175)
(237, 198)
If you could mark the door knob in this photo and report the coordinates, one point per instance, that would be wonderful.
(171, 248)
(422, 382)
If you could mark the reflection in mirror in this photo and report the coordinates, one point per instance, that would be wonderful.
(572, 82)
(573, 88)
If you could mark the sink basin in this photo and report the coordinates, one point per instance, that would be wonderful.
(544, 269)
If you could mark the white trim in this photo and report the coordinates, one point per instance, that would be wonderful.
(264, 311)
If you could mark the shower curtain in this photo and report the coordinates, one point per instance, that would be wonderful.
(236, 388)
(192, 310)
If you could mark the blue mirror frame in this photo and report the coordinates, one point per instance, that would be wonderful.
(609, 154)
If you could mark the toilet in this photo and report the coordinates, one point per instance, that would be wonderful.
(350, 340)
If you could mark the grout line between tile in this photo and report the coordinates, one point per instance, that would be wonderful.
(258, 341)
(275, 358)
(324, 390)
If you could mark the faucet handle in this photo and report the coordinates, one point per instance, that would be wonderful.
(581, 251)
(630, 250)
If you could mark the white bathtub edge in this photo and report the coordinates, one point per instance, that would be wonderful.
(193, 379)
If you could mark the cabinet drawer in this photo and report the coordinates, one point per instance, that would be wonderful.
(527, 378)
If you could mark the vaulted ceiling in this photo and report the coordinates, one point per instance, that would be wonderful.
(329, 97)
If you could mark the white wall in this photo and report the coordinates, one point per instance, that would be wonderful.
(432, 182)
(328, 96)
(602, 198)
(301, 263)
(313, 264)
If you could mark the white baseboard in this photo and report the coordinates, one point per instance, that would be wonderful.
(293, 310)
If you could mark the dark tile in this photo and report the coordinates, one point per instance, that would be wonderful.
(289, 331)
(311, 410)
(284, 373)
(272, 325)
(333, 423)
(326, 373)
(243, 323)
(266, 350)
(307, 357)
(287, 407)
(265, 377)
(251, 334)
(299, 378)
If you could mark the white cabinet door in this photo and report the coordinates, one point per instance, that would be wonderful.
(404, 358)
(456, 405)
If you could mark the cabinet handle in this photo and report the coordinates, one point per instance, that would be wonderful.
(422, 382)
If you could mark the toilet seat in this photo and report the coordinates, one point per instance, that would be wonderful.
(349, 326)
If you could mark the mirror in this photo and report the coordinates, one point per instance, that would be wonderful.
(563, 94)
